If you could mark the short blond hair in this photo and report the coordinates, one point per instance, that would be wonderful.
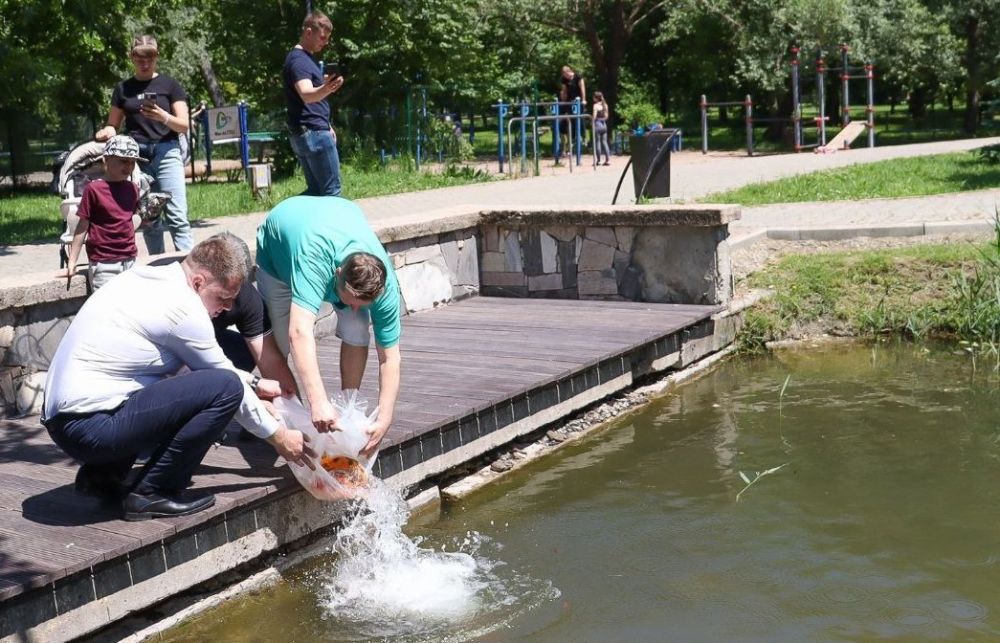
(223, 256)
(363, 275)
(317, 20)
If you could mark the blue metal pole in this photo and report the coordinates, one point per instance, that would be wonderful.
(556, 151)
(208, 143)
(244, 138)
(579, 127)
(524, 134)
(501, 112)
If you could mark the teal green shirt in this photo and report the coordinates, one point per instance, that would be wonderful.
(305, 239)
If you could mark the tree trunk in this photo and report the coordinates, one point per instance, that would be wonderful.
(971, 121)
(917, 103)
(212, 83)
(607, 56)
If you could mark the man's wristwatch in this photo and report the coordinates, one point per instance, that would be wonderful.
(254, 381)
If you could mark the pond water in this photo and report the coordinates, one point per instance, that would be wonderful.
(883, 523)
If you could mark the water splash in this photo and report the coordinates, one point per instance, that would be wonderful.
(385, 584)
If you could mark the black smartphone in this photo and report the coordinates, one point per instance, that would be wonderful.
(332, 70)
(147, 99)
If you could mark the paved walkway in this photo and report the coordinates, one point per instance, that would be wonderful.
(693, 175)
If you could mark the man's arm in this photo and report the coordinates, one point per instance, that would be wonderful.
(272, 363)
(389, 362)
(309, 93)
(193, 341)
(302, 343)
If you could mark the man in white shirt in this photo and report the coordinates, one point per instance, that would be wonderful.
(112, 392)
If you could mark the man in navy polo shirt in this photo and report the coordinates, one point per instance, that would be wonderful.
(306, 89)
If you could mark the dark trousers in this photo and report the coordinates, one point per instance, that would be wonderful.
(177, 419)
(235, 348)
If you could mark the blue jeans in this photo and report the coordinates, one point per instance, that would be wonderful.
(177, 419)
(601, 145)
(166, 166)
(316, 151)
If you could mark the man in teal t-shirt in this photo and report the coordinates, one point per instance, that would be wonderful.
(312, 250)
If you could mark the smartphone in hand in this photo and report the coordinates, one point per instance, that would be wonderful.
(332, 71)
(147, 100)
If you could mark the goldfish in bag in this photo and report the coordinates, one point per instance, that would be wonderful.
(341, 471)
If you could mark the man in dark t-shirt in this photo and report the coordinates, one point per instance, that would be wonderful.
(306, 89)
(571, 88)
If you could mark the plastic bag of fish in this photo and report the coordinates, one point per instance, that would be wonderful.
(341, 471)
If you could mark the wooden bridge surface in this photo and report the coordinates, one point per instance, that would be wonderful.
(457, 360)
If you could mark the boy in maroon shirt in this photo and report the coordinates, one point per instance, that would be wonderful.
(105, 211)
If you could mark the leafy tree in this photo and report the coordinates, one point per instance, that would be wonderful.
(916, 55)
(604, 27)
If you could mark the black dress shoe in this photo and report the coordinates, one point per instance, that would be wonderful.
(140, 506)
(92, 482)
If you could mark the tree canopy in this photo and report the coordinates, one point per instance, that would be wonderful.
(59, 59)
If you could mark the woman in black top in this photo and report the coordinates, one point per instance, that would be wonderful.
(154, 110)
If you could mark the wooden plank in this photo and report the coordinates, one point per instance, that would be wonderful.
(845, 137)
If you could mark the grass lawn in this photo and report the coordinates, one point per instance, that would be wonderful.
(35, 217)
(920, 291)
(917, 176)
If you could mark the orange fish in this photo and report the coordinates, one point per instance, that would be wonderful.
(345, 470)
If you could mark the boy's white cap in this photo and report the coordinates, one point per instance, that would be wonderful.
(123, 146)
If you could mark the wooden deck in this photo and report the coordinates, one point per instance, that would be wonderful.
(474, 359)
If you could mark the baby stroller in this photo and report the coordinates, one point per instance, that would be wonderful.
(83, 164)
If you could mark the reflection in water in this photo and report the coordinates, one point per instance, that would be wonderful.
(883, 525)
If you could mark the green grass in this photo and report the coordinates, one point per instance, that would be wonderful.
(34, 216)
(918, 176)
(946, 290)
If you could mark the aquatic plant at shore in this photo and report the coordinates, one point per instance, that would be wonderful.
(757, 476)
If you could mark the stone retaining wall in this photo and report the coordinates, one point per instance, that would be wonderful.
(657, 254)
(674, 254)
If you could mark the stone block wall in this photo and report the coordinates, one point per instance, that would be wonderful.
(668, 255)
(436, 269)
(562, 261)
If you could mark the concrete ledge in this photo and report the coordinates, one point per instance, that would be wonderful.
(741, 240)
(959, 227)
(706, 215)
(840, 233)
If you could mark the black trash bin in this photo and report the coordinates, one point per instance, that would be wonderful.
(645, 150)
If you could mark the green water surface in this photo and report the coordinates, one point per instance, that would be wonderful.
(884, 524)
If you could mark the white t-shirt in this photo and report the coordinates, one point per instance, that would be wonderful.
(141, 327)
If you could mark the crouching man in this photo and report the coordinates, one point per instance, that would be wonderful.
(111, 392)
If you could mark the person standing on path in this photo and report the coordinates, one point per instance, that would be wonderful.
(312, 250)
(572, 87)
(154, 110)
(306, 90)
(106, 210)
(112, 391)
(602, 112)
